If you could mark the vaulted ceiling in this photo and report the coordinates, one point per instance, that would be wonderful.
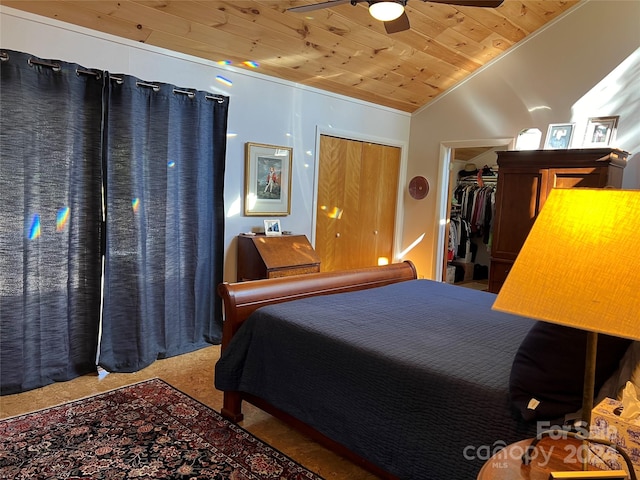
(341, 49)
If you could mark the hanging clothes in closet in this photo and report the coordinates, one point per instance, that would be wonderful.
(472, 216)
(459, 237)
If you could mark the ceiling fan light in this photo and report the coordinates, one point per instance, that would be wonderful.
(386, 11)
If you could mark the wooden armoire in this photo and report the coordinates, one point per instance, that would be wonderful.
(525, 179)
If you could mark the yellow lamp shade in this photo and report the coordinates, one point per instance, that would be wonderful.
(580, 264)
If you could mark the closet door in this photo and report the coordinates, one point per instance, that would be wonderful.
(379, 183)
(357, 192)
(337, 221)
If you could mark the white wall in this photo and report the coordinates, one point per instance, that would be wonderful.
(261, 109)
(585, 64)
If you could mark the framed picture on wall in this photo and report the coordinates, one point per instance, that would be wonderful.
(601, 131)
(559, 136)
(267, 180)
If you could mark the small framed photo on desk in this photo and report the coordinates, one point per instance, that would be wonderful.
(272, 227)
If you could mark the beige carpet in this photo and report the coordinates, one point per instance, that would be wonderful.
(476, 286)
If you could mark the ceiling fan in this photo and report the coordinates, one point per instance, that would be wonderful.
(392, 12)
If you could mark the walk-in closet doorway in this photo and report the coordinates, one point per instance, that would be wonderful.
(453, 156)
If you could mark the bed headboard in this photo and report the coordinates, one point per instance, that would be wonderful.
(242, 298)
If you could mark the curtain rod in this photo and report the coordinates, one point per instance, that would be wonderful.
(155, 88)
(54, 66)
(88, 72)
(189, 93)
(4, 56)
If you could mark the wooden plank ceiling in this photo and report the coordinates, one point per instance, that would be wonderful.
(341, 49)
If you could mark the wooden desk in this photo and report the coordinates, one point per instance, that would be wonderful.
(550, 456)
(261, 256)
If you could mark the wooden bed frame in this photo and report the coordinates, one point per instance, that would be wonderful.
(241, 299)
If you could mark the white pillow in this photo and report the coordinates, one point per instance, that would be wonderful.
(628, 370)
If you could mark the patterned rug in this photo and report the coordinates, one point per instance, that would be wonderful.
(148, 430)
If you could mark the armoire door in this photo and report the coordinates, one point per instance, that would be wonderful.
(520, 191)
(357, 194)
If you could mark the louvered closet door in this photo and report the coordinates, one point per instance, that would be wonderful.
(357, 191)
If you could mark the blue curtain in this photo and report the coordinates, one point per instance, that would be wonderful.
(95, 168)
(50, 220)
(164, 169)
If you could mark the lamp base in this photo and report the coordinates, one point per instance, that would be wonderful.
(611, 475)
(527, 456)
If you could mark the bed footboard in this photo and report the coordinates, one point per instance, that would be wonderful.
(242, 298)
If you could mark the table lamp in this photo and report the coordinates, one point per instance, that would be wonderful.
(580, 267)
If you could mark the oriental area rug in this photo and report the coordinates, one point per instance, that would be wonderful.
(148, 430)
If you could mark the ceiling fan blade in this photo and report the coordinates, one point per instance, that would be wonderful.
(470, 3)
(317, 6)
(398, 25)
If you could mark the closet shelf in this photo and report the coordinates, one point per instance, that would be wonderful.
(473, 180)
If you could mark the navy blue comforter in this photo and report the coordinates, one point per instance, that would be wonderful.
(412, 376)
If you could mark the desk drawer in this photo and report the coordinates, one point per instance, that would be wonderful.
(298, 270)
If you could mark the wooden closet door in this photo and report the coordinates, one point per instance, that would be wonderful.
(378, 205)
(357, 192)
(337, 221)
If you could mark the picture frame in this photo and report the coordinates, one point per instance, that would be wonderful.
(272, 228)
(267, 181)
(601, 131)
(559, 136)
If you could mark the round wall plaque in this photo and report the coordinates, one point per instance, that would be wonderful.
(418, 187)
